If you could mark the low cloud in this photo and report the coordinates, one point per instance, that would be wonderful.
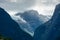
(23, 5)
(18, 5)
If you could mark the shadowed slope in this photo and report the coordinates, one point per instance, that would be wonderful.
(9, 28)
(51, 29)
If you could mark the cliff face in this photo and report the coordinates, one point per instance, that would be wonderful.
(9, 28)
(51, 29)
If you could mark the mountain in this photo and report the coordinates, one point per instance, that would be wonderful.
(9, 28)
(51, 29)
(33, 20)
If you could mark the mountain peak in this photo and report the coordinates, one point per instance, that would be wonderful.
(33, 20)
(29, 12)
(32, 11)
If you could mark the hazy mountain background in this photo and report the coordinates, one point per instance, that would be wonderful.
(30, 20)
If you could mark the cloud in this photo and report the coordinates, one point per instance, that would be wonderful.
(48, 2)
(23, 5)
(16, 5)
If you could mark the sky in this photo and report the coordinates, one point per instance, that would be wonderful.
(45, 7)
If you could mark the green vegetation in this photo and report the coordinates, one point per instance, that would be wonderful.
(4, 38)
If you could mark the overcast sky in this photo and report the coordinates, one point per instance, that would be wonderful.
(45, 7)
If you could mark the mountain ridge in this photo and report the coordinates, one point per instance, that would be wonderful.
(51, 29)
(9, 28)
